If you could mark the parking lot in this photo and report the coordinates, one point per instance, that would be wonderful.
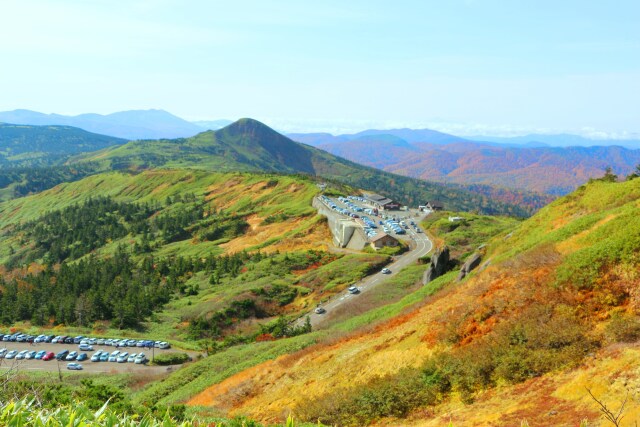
(373, 221)
(87, 365)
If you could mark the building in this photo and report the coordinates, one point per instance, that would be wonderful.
(381, 202)
(381, 240)
(435, 205)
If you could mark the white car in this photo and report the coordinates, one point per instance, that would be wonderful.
(22, 354)
(386, 271)
(74, 366)
(353, 290)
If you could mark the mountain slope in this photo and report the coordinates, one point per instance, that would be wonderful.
(134, 124)
(555, 310)
(21, 144)
(551, 170)
(408, 135)
(249, 145)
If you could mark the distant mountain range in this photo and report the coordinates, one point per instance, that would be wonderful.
(517, 163)
(559, 140)
(248, 145)
(135, 124)
(542, 163)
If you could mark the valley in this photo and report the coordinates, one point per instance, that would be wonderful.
(319, 214)
(250, 274)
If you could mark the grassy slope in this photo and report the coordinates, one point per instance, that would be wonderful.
(255, 196)
(246, 194)
(248, 145)
(542, 263)
(19, 143)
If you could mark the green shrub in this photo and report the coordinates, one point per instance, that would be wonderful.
(623, 328)
(171, 359)
(393, 396)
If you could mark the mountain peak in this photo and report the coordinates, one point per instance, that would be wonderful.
(248, 124)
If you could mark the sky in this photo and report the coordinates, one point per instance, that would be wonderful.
(469, 66)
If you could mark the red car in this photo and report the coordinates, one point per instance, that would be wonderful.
(49, 355)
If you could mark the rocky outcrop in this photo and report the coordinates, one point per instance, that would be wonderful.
(439, 265)
(472, 262)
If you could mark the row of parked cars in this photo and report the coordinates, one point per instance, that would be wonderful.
(84, 342)
(396, 226)
(69, 356)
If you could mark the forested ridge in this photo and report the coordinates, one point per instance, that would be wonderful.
(117, 288)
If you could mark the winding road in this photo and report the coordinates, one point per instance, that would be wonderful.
(420, 246)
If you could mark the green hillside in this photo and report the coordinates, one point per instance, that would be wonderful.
(551, 310)
(25, 145)
(161, 248)
(248, 145)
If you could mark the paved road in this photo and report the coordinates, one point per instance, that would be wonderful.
(421, 246)
(88, 366)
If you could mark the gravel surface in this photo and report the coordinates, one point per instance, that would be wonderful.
(87, 365)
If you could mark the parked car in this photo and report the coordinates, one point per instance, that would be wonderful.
(62, 355)
(85, 347)
(114, 356)
(71, 356)
(3, 352)
(122, 357)
(132, 357)
(48, 356)
(104, 357)
(82, 357)
(22, 354)
(74, 366)
(30, 355)
(140, 358)
(40, 355)
(11, 355)
(96, 356)
(164, 345)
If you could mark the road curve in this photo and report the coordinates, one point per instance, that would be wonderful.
(422, 247)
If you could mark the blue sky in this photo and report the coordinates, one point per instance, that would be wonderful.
(466, 66)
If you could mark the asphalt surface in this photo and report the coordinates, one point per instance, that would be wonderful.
(420, 246)
(87, 365)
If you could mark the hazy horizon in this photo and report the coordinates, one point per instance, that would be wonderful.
(464, 67)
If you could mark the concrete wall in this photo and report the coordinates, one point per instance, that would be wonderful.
(346, 232)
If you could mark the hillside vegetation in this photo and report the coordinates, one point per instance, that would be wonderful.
(554, 300)
(554, 171)
(184, 255)
(25, 145)
(248, 145)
